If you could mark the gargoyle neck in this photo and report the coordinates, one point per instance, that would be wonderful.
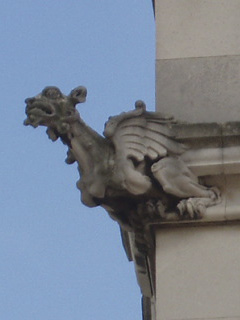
(88, 147)
(86, 135)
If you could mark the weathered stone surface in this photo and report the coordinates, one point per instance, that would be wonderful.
(197, 274)
(197, 28)
(199, 89)
(198, 81)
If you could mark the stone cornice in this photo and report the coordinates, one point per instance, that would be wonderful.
(214, 155)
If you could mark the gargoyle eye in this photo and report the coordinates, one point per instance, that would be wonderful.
(52, 93)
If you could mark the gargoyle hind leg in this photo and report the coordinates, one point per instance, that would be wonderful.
(178, 180)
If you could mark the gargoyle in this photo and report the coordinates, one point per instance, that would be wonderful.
(136, 169)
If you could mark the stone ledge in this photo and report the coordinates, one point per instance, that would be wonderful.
(214, 156)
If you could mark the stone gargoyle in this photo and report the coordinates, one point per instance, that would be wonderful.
(135, 169)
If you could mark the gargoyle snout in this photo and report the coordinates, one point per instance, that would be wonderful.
(29, 100)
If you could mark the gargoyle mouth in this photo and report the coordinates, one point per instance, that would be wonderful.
(38, 113)
(43, 107)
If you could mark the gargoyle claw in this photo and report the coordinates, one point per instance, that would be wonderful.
(195, 208)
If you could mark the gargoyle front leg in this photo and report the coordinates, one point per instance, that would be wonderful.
(195, 208)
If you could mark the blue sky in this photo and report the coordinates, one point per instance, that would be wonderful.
(58, 259)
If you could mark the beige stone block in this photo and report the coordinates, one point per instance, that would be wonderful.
(197, 273)
(199, 89)
(197, 28)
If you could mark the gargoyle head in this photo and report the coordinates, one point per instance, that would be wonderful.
(51, 108)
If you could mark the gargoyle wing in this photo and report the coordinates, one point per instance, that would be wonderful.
(139, 134)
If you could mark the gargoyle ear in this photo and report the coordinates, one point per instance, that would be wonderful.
(78, 95)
